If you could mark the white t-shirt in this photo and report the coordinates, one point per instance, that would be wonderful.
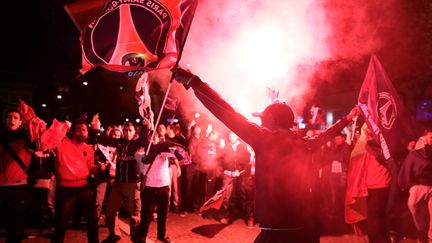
(159, 176)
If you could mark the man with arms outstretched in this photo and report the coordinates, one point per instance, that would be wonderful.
(285, 181)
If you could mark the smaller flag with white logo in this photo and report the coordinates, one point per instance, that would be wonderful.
(383, 110)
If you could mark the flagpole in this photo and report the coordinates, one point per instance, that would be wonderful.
(159, 117)
(354, 128)
(170, 82)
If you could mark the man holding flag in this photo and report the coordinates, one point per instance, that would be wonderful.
(373, 169)
(383, 110)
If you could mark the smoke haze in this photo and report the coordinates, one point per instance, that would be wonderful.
(240, 49)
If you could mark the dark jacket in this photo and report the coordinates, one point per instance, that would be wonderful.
(341, 153)
(235, 160)
(416, 169)
(127, 168)
(285, 182)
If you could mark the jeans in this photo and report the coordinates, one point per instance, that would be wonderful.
(13, 202)
(51, 195)
(65, 200)
(120, 192)
(337, 188)
(192, 200)
(174, 187)
(39, 207)
(242, 191)
(376, 220)
(101, 194)
(420, 206)
(152, 197)
(248, 195)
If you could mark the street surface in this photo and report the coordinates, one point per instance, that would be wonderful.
(192, 228)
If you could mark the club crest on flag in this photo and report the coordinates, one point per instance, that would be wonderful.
(135, 35)
(386, 109)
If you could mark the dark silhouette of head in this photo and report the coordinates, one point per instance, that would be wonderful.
(277, 116)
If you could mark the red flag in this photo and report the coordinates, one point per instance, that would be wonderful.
(54, 135)
(171, 104)
(383, 110)
(35, 125)
(137, 35)
(217, 199)
(83, 12)
(26, 112)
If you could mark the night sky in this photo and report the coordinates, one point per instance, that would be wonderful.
(44, 49)
(41, 42)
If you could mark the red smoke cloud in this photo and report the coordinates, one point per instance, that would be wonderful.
(291, 46)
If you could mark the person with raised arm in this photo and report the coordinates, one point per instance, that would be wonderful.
(285, 181)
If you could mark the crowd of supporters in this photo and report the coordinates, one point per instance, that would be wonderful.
(95, 175)
(126, 171)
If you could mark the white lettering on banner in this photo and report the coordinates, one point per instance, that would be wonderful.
(152, 5)
(135, 73)
(376, 130)
(132, 1)
(365, 110)
(384, 147)
(157, 8)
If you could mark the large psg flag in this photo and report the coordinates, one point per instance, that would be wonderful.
(135, 35)
(383, 110)
(126, 37)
